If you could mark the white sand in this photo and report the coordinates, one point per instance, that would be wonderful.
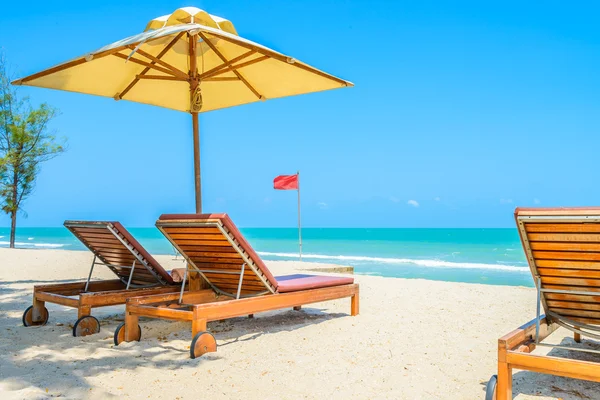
(413, 339)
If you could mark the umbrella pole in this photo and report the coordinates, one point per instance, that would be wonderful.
(197, 178)
(194, 108)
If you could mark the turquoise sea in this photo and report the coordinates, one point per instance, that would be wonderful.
(491, 256)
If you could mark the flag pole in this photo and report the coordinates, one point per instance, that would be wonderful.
(299, 219)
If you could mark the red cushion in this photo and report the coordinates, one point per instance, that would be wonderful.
(294, 283)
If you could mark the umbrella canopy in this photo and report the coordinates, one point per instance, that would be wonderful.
(188, 61)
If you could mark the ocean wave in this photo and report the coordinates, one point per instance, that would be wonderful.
(30, 245)
(400, 261)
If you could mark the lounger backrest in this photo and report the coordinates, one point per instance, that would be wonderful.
(562, 246)
(117, 249)
(213, 245)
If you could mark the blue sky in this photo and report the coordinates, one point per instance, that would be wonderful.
(461, 112)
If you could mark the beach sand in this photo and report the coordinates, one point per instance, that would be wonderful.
(413, 339)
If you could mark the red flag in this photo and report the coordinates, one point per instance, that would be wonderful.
(286, 182)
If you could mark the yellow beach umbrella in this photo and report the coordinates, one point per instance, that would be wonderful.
(188, 61)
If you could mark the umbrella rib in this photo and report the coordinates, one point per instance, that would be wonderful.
(218, 68)
(224, 59)
(222, 78)
(281, 57)
(145, 64)
(232, 68)
(164, 51)
(161, 77)
(161, 62)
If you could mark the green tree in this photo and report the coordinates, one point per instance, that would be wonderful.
(25, 143)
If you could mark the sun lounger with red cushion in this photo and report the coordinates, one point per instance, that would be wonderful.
(238, 282)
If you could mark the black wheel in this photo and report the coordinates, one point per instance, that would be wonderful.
(120, 334)
(86, 325)
(28, 317)
(203, 342)
(490, 389)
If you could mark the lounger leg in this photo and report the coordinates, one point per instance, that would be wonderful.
(504, 388)
(354, 305)
(83, 311)
(297, 308)
(131, 327)
(38, 309)
(198, 325)
(577, 336)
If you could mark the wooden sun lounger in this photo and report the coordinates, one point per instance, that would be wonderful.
(562, 246)
(240, 283)
(137, 271)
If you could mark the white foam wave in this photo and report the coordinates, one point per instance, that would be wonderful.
(30, 245)
(400, 261)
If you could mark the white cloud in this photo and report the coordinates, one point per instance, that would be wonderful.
(437, 199)
(536, 201)
(506, 201)
(322, 205)
(413, 203)
(394, 199)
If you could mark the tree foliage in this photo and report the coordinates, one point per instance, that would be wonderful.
(26, 141)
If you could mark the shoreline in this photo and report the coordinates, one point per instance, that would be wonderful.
(327, 267)
(406, 343)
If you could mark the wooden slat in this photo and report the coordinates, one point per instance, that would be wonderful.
(229, 267)
(577, 313)
(119, 260)
(199, 242)
(103, 241)
(234, 282)
(201, 254)
(565, 255)
(567, 264)
(571, 281)
(565, 246)
(120, 254)
(575, 305)
(106, 246)
(91, 230)
(564, 237)
(202, 262)
(247, 276)
(208, 230)
(97, 235)
(572, 297)
(589, 321)
(573, 273)
(563, 287)
(209, 249)
(196, 236)
(563, 228)
(123, 251)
